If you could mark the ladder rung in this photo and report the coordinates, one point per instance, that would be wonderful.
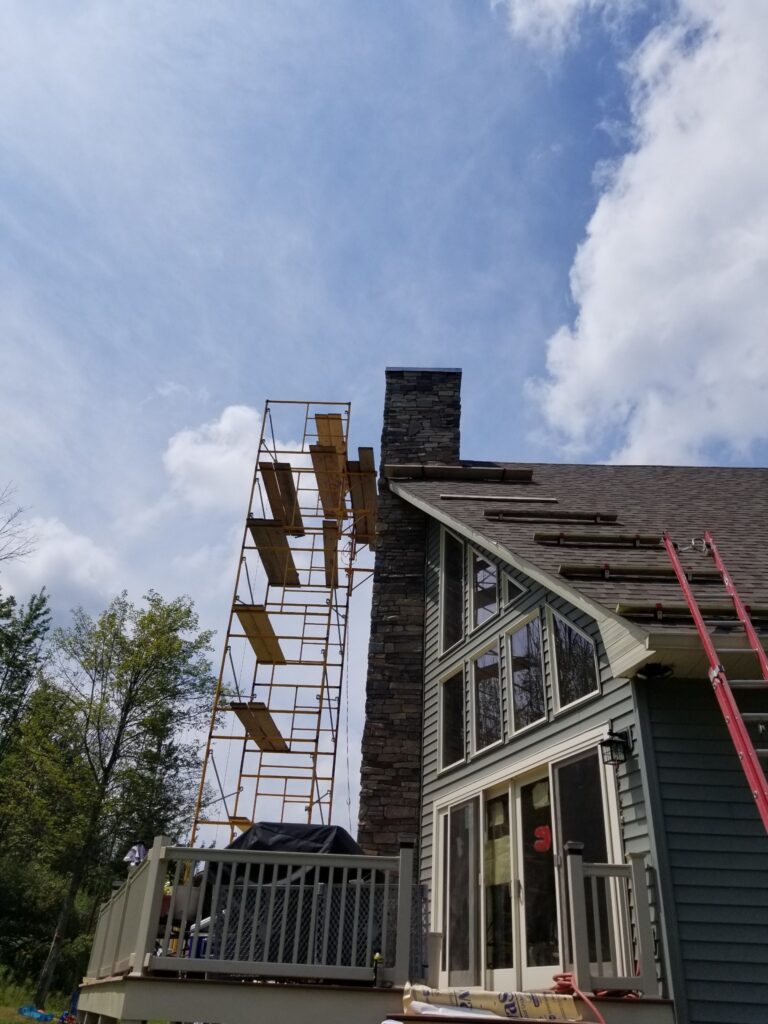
(761, 752)
(748, 684)
(754, 716)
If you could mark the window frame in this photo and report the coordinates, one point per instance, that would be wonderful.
(442, 649)
(537, 613)
(444, 678)
(494, 645)
(555, 668)
(472, 554)
(506, 602)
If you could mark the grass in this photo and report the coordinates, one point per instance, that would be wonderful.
(13, 996)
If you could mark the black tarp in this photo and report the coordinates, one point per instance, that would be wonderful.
(290, 837)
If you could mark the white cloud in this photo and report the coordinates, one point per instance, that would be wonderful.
(553, 24)
(210, 466)
(73, 567)
(668, 351)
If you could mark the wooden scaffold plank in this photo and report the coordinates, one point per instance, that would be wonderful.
(329, 467)
(260, 725)
(258, 628)
(241, 822)
(331, 552)
(276, 555)
(370, 497)
(362, 488)
(281, 494)
(330, 431)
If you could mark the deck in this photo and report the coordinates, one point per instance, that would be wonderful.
(223, 936)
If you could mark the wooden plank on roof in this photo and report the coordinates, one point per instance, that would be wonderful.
(680, 609)
(606, 570)
(281, 494)
(469, 496)
(260, 725)
(257, 627)
(601, 540)
(441, 471)
(548, 515)
(330, 431)
(331, 551)
(276, 555)
(329, 466)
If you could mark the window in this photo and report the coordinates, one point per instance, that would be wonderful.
(452, 720)
(513, 590)
(453, 591)
(582, 819)
(487, 699)
(527, 675)
(485, 590)
(575, 662)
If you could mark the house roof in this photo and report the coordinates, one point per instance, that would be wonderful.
(630, 500)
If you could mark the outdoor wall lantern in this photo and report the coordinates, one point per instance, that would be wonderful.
(614, 747)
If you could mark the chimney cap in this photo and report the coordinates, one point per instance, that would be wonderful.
(423, 369)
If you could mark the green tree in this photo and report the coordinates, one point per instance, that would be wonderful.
(46, 788)
(134, 679)
(23, 631)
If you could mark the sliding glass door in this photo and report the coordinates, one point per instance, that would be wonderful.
(460, 895)
(581, 819)
(540, 945)
(519, 888)
(503, 901)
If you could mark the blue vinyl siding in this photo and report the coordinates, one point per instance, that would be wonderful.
(717, 856)
(614, 703)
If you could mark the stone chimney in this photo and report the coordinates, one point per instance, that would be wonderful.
(421, 424)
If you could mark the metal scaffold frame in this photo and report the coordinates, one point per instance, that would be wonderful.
(274, 728)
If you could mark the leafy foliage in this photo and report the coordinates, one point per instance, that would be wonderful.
(98, 752)
(23, 631)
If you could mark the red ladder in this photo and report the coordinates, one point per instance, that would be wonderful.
(735, 719)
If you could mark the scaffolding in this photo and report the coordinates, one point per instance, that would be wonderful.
(271, 749)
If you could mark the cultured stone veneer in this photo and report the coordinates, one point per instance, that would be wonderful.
(421, 424)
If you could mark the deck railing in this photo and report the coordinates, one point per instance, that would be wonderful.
(258, 914)
(612, 945)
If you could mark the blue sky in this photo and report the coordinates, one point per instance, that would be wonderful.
(208, 204)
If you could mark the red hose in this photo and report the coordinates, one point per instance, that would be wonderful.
(565, 984)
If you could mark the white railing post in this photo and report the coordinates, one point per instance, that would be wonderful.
(434, 958)
(648, 981)
(149, 918)
(404, 911)
(578, 907)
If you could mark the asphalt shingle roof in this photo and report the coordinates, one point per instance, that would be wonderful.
(731, 503)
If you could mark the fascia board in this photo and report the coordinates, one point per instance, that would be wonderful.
(597, 611)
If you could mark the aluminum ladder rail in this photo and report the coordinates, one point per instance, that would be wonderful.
(734, 718)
